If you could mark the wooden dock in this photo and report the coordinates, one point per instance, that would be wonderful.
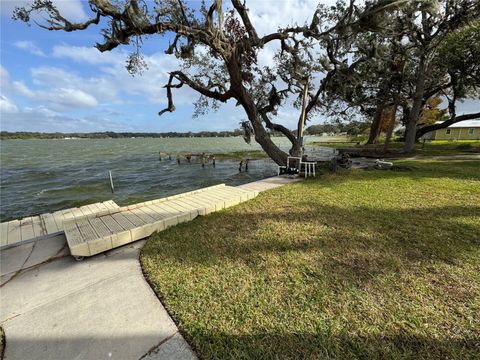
(96, 233)
(45, 225)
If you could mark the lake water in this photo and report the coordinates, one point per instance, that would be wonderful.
(39, 176)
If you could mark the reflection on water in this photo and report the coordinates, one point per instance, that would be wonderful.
(40, 176)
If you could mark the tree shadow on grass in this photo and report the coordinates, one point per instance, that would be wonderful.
(367, 233)
(262, 345)
(325, 346)
(339, 253)
(415, 170)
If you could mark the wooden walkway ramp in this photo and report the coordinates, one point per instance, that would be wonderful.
(37, 227)
(96, 233)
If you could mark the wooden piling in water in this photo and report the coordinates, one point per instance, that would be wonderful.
(111, 182)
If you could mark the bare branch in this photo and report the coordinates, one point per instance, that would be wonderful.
(170, 107)
(204, 90)
(223, 97)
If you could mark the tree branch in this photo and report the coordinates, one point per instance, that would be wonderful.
(278, 127)
(223, 97)
(184, 79)
(453, 120)
(243, 12)
(170, 107)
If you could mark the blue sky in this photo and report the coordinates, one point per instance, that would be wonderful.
(56, 81)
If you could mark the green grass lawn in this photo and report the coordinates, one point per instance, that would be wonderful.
(351, 265)
(430, 148)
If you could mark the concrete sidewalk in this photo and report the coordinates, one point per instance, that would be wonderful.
(53, 307)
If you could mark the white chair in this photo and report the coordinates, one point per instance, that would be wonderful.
(309, 168)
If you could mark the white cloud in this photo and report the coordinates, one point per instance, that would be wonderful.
(113, 78)
(66, 98)
(30, 47)
(22, 89)
(7, 106)
(62, 96)
(44, 120)
(268, 15)
(88, 55)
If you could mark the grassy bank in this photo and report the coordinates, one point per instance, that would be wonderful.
(430, 148)
(361, 264)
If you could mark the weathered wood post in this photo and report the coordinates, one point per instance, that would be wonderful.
(111, 182)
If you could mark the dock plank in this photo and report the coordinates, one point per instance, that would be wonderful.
(86, 229)
(27, 228)
(207, 205)
(170, 215)
(14, 232)
(38, 227)
(100, 227)
(75, 237)
(86, 210)
(166, 211)
(122, 220)
(49, 223)
(201, 208)
(217, 204)
(111, 204)
(59, 218)
(3, 233)
(77, 246)
(190, 209)
(135, 219)
(154, 211)
(111, 224)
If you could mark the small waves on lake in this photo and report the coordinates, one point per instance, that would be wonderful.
(39, 176)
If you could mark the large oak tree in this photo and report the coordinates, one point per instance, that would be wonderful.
(219, 53)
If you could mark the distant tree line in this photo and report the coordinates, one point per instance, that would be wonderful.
(5, 135)
(352, 128)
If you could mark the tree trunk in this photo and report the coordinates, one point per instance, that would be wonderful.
(262, 137)
(296, 149)
(248, 104)
(297, 146)
(411, 125)
(375, 127)
(391, 126)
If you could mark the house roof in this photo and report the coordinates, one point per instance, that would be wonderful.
(466, 124)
